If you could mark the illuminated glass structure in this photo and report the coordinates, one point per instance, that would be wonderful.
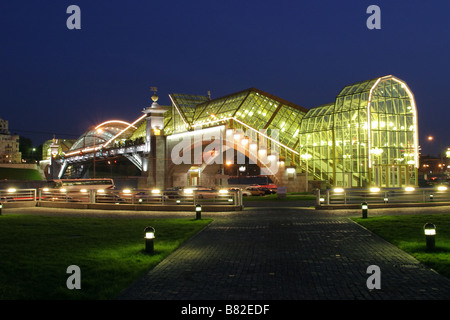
(366, 137)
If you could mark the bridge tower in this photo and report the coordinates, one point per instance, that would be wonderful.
(154, 159)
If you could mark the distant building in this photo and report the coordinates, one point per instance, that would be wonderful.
(9, 145)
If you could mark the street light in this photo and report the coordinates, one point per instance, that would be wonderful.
(198, 211)
(430, 233)
(149, 238)
(364, 208)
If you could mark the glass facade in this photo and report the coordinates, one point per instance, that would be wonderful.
(366, 137)
(257, 110)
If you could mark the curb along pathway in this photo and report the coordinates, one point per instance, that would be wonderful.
(286, 254)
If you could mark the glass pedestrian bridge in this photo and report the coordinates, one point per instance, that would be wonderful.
(367, 136)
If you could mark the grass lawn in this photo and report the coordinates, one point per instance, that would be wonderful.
(35, 252)
(407, 233)
(19, 174)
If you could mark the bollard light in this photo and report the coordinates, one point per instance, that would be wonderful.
(364, 208)
(149, 238)
(1, 207)
(429, 230)
(178, 201)
(386, 200)
(198, 211)
(431, 197)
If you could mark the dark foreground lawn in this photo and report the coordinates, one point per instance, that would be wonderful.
(35, 252)
(407, 233)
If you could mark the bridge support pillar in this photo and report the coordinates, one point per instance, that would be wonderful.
(154, 159)
(156, 171)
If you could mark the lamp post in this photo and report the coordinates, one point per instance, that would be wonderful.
(149, 238)
(364, 208)
(198, 211)
(430, 234)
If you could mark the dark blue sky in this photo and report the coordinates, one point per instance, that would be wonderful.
(55, 80)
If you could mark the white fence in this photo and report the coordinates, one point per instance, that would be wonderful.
(340, 196)
(144, 197)
(15, 195)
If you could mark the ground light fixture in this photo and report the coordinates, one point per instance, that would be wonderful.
(1, 208)
(198, 211)
(149, 239)
(429, 230)
(364, 209)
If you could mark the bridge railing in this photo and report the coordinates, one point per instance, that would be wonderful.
(340, 196)
(148, 197)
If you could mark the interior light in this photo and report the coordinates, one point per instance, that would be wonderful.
(290, 170)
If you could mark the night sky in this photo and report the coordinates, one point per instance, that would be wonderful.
(60, 81)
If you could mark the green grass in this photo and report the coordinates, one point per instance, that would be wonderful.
(19, 174)
(35, 252)
(406, 232)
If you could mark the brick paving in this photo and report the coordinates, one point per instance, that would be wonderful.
(287, 254)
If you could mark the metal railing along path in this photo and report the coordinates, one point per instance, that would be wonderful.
(17, 195)
(374, 195)
(144, 197)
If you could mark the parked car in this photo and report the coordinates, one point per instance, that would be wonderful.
(200, 192)
(245, 193)
(255, 191)
(267, 190)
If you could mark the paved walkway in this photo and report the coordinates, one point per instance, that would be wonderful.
(287, 254)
